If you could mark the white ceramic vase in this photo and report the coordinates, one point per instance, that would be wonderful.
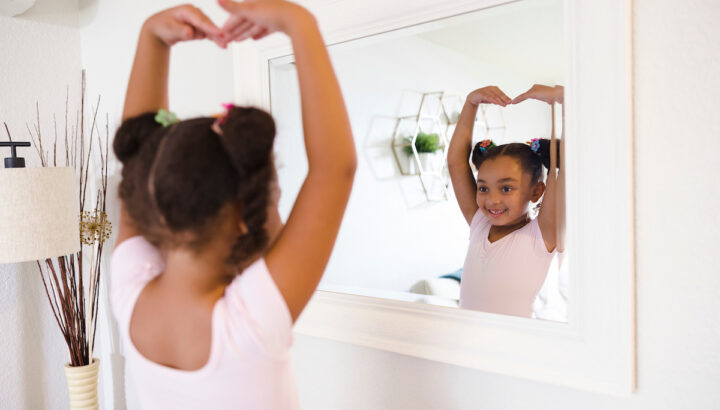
(82, 384)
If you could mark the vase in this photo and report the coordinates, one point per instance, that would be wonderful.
(82, 384)
(430, 161)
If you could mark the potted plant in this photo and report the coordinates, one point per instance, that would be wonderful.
(428, 147)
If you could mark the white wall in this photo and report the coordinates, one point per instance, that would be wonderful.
(39, 59)
(676, 61)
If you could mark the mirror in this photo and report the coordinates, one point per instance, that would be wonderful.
(404, 236)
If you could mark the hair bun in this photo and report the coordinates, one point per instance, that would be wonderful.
(544, 152)
(248, 135)
(482, 148)
(132, 134)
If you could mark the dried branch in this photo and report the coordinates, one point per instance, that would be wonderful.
(8, 131)
(71, 289)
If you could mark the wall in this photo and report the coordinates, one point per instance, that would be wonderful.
(39, 60)
(676, 61)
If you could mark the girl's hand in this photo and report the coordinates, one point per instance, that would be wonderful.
(488, 95)
(183, 23)
(541, 92)
(257, 18)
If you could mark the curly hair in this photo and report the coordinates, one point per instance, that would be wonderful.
(176, 179)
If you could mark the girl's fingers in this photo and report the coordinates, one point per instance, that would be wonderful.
(198, 19)
(178, 31)
(520, 98)
(233, 7)
(495, 97)
(261, 34)
(232, 23)
(504, 97)
(240, 30)
(500, 95)
(252, 32)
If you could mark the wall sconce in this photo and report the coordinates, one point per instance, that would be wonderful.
(39, 215)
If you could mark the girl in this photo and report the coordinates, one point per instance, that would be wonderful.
(509, 253)
(206, 281)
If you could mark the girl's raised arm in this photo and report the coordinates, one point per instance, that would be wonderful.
(147, 87)
(552, 210)
(461, 174)
(300, 254)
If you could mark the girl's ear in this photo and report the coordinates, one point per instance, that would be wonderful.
(538, 191)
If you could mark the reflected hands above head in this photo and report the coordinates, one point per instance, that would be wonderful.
(489, 95)
(541, 92)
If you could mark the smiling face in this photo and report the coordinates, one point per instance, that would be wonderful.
(505, 191)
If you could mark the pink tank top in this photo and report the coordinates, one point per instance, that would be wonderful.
(249, 365)
(504, 276)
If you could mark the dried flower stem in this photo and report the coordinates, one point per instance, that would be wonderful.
(74, 304)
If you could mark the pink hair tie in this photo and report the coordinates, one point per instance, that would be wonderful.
(221, 118)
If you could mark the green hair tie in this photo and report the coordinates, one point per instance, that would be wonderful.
(166, 118)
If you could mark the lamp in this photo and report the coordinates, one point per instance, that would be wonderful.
(39, 215)
(11, 8)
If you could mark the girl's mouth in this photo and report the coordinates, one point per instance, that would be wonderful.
(496, 213)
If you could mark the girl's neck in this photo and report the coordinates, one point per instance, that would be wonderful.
(196, 273)
(497, 232)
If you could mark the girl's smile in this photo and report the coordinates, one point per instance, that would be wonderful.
(496, 213)
(504, 191)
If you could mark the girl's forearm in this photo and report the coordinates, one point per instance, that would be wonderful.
(461, 175)
(328, 137)
(148, 85)
(461, 142)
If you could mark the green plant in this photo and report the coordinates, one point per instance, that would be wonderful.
(423, 143)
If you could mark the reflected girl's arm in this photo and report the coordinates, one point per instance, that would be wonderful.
(461, 174)
(553, 203)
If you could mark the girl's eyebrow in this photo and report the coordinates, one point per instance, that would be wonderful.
(501, 180)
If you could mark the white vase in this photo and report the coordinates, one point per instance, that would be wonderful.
(82, 384)
(430, 162)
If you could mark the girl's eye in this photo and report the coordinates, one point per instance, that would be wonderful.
(482, 189)
(507, 189)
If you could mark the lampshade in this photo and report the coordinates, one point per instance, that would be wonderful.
(10, 8)
(39, 214)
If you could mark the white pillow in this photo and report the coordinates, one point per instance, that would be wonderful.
(442, 287)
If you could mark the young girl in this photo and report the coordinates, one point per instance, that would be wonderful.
(206, 283)
(509, 253)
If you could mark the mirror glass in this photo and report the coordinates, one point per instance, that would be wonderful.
(405, 235)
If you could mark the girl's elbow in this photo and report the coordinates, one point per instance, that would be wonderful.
(351, 166)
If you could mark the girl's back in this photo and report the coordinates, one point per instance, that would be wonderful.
(247, 365)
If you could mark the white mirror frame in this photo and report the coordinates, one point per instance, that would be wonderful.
(595, 350)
